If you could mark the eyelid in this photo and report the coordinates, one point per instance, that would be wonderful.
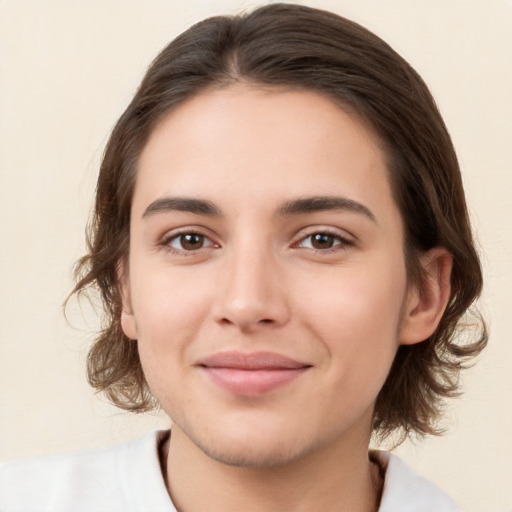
(172, 234)
(345, 238)
(328, 230)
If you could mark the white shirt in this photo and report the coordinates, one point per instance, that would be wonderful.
(127, 478)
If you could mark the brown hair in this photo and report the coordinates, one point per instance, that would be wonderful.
(300, 47)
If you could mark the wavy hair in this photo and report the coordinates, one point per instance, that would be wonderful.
(285, 45)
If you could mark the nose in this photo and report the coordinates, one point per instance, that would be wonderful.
(252, 293)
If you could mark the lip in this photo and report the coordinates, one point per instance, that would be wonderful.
(251, 374)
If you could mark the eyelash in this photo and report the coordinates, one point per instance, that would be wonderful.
(343, 242)
(166, 242)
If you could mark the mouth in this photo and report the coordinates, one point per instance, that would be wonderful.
(251, 374)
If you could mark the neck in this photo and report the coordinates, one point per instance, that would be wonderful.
(334, 479)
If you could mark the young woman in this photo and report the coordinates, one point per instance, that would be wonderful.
(283, 250)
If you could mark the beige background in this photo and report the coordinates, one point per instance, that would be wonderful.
(67, 70)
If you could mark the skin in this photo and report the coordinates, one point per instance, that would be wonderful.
(255, 280)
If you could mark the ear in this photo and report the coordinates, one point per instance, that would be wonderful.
(128, 323)
(426, 301)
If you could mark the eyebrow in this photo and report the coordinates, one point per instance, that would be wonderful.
(181, 204)
(324, 203)
(294, 207)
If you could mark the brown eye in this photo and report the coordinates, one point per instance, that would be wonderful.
(323, 241)
(190, 242)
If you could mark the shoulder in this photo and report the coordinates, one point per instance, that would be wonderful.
(114, 478)
(408, 492)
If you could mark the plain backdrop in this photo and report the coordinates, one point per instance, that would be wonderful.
(69, 68)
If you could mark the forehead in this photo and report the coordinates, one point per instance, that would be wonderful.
(272, 144)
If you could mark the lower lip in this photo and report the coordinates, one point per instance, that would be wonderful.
(252, 382)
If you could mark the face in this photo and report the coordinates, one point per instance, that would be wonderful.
(266, 282)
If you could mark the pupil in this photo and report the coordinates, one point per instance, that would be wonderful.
(191, 241)
(322, 241)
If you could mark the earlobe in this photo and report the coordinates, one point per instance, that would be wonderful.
(427, 302)
(127, 317)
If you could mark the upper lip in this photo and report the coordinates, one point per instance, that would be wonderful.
(251, 361)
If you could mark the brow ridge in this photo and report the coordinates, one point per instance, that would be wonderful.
(324, 203)
(293, 207)
(181, 204)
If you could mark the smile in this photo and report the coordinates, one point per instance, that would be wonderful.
(251, 374)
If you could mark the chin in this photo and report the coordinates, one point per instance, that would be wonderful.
(258, 448)
(241, 444)
(253, 455)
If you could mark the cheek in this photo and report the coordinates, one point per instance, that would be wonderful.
(355, 294)
(169, 308)
(356, 312)
(170, 314)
